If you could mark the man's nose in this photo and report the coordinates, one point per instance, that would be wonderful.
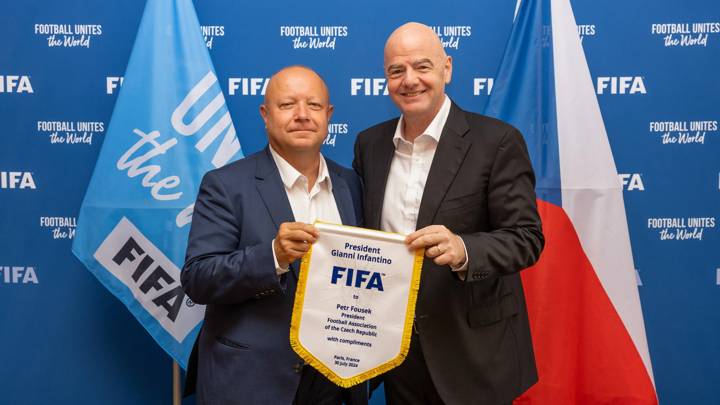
(411, 78)
(301, 111)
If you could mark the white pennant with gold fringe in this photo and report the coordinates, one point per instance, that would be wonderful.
(355, 303)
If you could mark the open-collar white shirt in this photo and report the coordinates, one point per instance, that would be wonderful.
(408, 174)
(307, 206)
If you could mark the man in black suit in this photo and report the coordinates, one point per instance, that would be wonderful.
(462, 186)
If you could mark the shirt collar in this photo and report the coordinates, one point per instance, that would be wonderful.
(434, 130)
(289, 175)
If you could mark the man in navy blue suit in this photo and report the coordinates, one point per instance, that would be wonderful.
(250, 226)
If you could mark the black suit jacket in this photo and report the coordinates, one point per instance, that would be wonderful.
(243, 352)
(474, 333)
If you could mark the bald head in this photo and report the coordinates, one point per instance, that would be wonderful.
(417, 70)
(411, 36)
(294, 73)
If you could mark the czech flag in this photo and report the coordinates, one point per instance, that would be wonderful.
(583, 302)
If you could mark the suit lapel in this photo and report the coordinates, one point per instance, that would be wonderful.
(272, 192)
(450, 153)
(343, 199)
(382, 152)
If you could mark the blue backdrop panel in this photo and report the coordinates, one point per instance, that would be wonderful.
(65, 339)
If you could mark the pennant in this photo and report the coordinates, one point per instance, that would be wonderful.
(355, 303)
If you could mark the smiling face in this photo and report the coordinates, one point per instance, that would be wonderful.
(417, 69)
(296, 111)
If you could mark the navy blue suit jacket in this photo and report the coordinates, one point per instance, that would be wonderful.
(243, 350)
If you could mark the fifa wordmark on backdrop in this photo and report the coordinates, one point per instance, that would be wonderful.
(681, 228)
(68, 35)
(314, 37)
(684, 132)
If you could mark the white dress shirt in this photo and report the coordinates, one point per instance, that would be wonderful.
(408, 174)
(307, 206)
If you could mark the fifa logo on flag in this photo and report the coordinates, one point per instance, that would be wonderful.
(620, 85)
(156, 279)
(15, 84)
(150, 275)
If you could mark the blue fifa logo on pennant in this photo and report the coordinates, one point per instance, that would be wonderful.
(358, 278)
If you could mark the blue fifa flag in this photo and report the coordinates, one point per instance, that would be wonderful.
(170, 125)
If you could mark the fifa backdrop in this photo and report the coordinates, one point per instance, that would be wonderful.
(654, 66)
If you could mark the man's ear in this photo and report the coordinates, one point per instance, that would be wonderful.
(448, 69)
(263, 113)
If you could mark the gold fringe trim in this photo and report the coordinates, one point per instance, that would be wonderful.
(381, 369)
